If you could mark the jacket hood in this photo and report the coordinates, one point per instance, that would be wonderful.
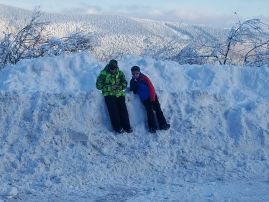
(113, 64)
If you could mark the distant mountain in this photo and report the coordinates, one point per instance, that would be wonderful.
(115, 35)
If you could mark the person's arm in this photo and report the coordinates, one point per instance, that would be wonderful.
(100, 83)
(133, 85)
(152, 93)
(123, 82)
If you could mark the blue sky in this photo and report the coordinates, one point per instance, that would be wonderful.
(195, 11)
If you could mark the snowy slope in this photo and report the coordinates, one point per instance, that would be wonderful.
(57, 145)
(56, 142)
(118, 35)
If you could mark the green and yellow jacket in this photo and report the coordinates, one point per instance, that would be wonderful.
(106, 80)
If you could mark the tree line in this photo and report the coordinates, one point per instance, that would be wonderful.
(32, 41)
(247, 43)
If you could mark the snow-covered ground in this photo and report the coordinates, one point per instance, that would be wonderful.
(56, 142)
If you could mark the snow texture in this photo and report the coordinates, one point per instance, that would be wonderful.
(57, 143)
(116, 36)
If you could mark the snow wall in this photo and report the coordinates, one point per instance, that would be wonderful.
(55, 132)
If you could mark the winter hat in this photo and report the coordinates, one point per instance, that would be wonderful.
(113, 64)
(135, 68)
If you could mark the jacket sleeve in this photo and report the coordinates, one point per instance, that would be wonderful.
(152, 93)
(100, 83)
(123, 82)
(133, 86)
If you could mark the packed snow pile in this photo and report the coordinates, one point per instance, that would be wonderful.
(56, 141)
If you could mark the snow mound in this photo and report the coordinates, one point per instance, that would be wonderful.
(55, 133)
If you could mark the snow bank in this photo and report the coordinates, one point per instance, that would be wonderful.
(55, 135)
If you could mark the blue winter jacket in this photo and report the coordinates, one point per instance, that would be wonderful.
(143, 87)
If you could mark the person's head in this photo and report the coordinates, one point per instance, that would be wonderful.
(135, 71)
(113, 66)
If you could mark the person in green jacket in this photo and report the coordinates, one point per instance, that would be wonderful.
(111, 81)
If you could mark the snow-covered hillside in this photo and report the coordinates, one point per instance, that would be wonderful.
(118, 35)
(57, 145)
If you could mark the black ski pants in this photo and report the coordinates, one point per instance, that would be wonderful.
(118, 113)
(150, 108)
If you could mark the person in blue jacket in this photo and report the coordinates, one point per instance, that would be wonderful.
(140, 84)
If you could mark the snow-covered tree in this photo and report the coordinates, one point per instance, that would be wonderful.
(200, 50)
(24, 42)
(32, 41)
(247, 43)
